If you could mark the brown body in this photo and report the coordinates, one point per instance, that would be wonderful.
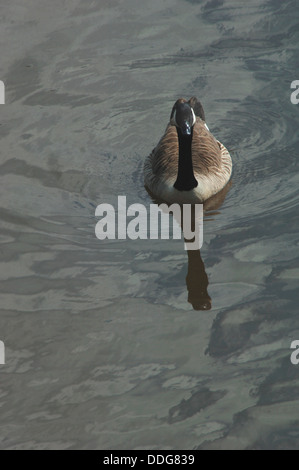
(211, 162)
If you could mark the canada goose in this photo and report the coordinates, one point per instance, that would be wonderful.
(188, 165)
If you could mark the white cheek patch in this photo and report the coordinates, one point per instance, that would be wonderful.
(173, 120)
(194, 117)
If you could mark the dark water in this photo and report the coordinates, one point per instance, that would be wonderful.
(103, 348)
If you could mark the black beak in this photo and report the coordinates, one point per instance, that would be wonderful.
(186, 128)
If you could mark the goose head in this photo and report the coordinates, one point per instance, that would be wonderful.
(183, 117)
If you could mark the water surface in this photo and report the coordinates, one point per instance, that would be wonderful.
(103, 348)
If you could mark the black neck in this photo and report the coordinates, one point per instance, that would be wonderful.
(185, 179)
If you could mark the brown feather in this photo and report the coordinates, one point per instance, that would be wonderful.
(211, 160)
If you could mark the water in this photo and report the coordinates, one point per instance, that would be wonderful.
(103, 347)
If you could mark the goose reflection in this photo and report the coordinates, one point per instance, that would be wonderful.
(197, 280)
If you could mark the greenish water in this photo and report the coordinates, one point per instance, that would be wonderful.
(103, 347)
